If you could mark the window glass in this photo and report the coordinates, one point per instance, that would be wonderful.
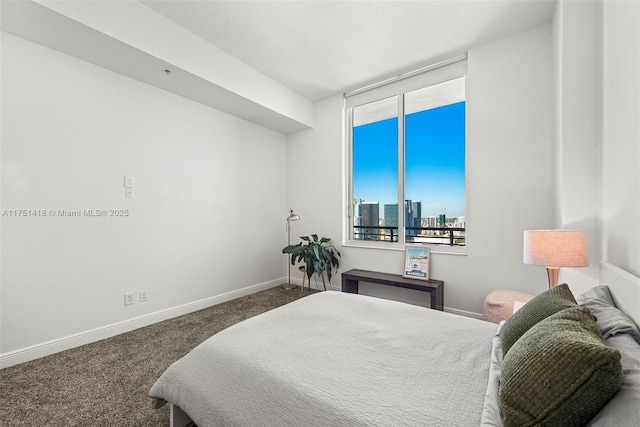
(435, 163)
(375, 167)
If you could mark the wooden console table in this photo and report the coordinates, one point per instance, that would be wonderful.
(434, 287)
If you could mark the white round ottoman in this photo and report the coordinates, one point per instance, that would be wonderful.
(498, 305)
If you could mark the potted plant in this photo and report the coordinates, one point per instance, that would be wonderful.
(317, 255)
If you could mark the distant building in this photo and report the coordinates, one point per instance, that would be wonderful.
(430, 221)
(357, 216)
(390, 221)
(391, 215)
(412, 217)
(369, 216)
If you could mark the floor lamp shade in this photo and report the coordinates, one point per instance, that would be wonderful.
(555, 249)
(293, 216)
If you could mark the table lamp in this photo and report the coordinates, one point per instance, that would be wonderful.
(555, 249)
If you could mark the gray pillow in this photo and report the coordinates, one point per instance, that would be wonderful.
(624, 408)
(539, 308)
(610, 320)
(559, 373)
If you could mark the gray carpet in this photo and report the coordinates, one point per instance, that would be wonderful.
(107, 383)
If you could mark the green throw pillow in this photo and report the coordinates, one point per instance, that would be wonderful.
(539, 308)
(559, 373)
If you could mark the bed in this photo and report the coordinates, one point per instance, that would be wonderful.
(343, 359)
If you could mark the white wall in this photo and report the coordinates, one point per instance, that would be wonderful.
(597, 69)
(510, 157)
(577, 63)
(207, 220)
(620, 200)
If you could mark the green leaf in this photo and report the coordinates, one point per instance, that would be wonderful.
(291, 248)
(310, 268)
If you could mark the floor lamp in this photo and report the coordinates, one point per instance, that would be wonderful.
(292, 217)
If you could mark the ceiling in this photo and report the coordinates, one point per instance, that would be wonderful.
(320, 48)
(267, 61)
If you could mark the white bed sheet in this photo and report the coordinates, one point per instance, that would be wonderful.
(391, 364)
(491, 415)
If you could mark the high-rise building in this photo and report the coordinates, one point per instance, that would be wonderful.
(370, 218)
(412, 217)
(357, 213)
(430, 221)
(391, 221)
(391, 215)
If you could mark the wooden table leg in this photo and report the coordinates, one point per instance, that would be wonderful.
(437, 299)
(350, 286)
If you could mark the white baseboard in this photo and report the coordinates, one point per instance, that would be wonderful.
(65, 343)
(463, 313)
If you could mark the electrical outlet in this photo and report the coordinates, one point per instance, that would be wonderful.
(128, 298)
(144, 295)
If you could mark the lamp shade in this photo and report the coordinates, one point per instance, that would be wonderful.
(293, 216)
(555, 248)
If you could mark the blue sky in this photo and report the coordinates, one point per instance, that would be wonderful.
(434, 156)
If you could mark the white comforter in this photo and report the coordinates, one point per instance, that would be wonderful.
(337, 359)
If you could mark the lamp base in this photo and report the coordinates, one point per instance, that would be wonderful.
(552, 275)
(288, 286)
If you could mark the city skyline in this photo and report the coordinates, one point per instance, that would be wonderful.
(369, 225)
(390, 217)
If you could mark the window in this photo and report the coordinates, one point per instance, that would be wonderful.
(407, 159)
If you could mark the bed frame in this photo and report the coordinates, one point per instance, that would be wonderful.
(177, 417)
(624, 287)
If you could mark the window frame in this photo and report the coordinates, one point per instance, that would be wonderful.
(428, 76)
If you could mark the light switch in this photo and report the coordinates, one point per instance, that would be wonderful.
(128, 182)
(128, 193)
